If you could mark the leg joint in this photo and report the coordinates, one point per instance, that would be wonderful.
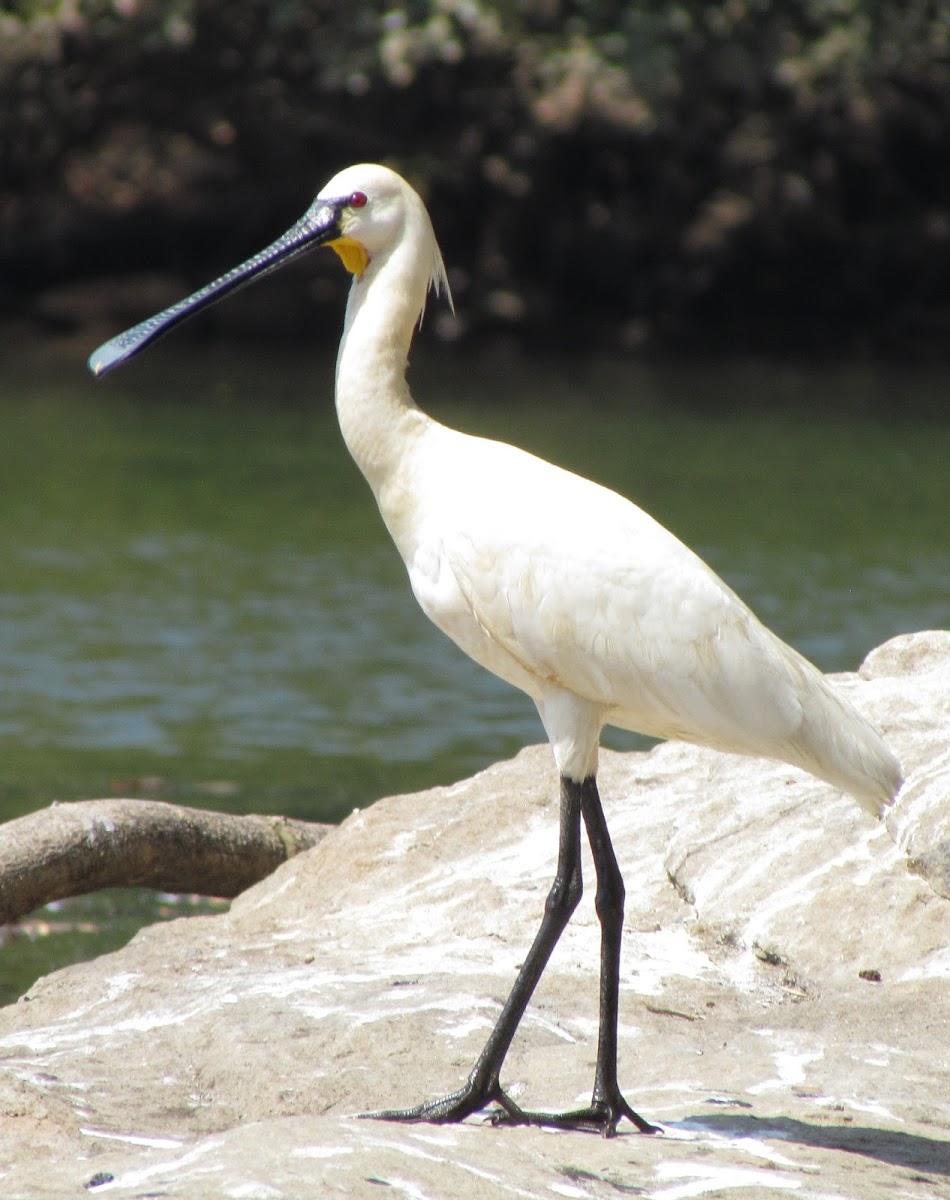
(565, 893)
(610, 896)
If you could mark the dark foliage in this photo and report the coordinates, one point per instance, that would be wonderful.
(726, 175)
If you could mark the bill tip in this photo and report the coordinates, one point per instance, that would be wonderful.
(104, 359)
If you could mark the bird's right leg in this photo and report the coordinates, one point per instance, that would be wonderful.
(483, 1086)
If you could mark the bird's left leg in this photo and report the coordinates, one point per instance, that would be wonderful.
(483, 1086)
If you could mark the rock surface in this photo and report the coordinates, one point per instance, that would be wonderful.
(785, 1003)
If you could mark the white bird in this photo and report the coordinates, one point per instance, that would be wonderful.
(559, 586)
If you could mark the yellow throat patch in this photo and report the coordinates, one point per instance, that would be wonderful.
(352, 254)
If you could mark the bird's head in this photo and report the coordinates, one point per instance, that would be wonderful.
(377, 212)
(363, 214)
(371, 204)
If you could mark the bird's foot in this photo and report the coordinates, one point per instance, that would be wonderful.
(447, 1110)
(600, 1116)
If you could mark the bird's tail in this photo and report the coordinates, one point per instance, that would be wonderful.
(838, 745)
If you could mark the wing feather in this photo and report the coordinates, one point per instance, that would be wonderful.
(575, 587)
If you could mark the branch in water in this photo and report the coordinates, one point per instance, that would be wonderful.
(72, 849)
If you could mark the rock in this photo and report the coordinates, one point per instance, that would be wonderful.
(920, 821)
(785, 1003)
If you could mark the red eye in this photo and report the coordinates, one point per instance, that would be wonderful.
(357, 200)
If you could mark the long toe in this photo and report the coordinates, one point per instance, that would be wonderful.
(598, 1117)
(445, 1111)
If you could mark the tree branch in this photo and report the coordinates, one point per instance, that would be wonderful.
(72, 849)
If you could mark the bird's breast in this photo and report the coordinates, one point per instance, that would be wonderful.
(480, 625)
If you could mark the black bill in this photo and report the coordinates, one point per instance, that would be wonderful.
(315, 228)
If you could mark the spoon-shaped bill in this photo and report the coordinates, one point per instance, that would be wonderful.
(317, 227)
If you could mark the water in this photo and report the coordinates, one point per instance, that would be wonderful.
(199, 601)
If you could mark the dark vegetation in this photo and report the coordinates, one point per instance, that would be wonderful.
(650, 176)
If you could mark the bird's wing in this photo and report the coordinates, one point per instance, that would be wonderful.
(586, 592)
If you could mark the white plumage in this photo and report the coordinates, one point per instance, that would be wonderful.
(560, 586)
(556, 584)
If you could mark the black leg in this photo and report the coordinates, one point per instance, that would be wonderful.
(607, 1098)
(483, 1086)
(607, 1106)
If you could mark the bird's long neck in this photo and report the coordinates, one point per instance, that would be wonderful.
(375, 409)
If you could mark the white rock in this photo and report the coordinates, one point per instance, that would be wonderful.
(227, 1055)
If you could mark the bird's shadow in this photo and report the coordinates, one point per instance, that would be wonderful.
(892, 1146)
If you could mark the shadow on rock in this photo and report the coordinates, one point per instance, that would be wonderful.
(886, 1145)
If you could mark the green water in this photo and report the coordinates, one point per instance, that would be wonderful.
(199, 602)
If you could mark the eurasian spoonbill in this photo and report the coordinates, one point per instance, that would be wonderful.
(561, 587)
